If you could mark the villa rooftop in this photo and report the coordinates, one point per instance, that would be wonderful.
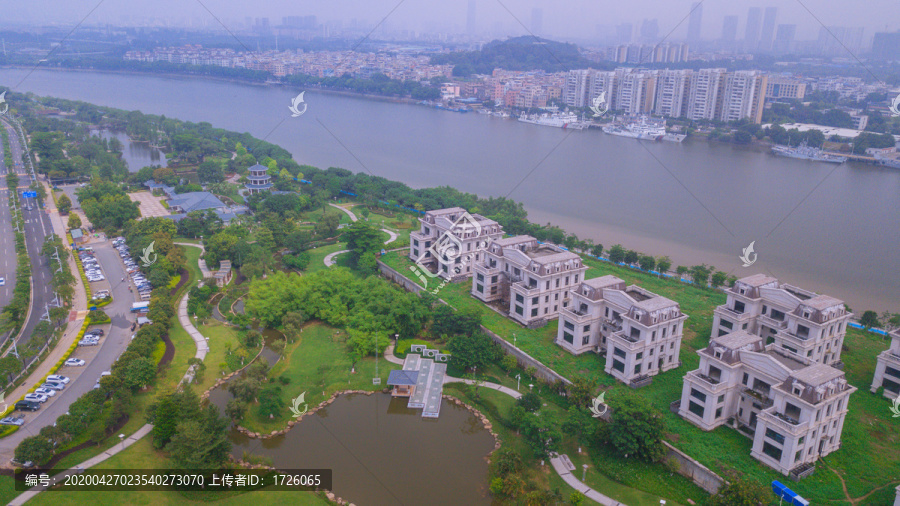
(790, 363)
(603, 281)
(736, 340)
(817, 374)
(822, 302)
(757, 280)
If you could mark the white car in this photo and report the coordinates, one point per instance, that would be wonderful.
(89, 342)
(54, 386)
(56, 378)
(74, 362)
(49, 392)
(36, 398)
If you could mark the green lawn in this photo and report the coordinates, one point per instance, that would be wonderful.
(317, 363)
(220, 336)
(317, 256)
(867, 461)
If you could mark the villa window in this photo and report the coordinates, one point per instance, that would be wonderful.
(772, 451)
(721, 399)
(715, 373)
(576, 278)
(738, 306)
(698, 395)
(568, 325)
(635, 333)
(695, 408)
(619, 353)
(664, 332)
(775, 436)
(569, 338)
(637, 369)
(416, 253)
(619, 366)
(586, 329)
(802, 331)
(479, 276)
(727, 324)
(535, 300)
(718, 413)
(520, 299)
(534, 312)
(745, 379)
(585, 339)
(557, 282)
(480, 288)
(519, 310)
(640, 355)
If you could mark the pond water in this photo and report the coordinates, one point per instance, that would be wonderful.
(380, 451)
(136, 154)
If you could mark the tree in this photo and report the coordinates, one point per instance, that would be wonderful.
(636, 428)
(580, 391)
(472, 350)
(530, 402)
(139, 373)
(63, 204)
(164, 416)
(616, 253)
(597, 250)
(741, 492)
(270, 401)
(37, 449)
(578, 423)
(700, 274)
(235, 410)
(328, 225)
(292, 323)
(201, 444)
(718, 279)
(631, 257)
(663, 264)
(363, 238)
(647, 262)
(869, 319)
(74, 221)
(210, 172)
(542, 433)
(508, 362)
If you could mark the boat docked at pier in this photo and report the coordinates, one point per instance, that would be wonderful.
(806, 152)
(638, 130)
(558, 120)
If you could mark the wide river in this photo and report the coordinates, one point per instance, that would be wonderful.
(830, 228)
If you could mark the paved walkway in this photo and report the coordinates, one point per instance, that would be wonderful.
(329, 258)
(555, 461)
(393, 236)
(204, 270)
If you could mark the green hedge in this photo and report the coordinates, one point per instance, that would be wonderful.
(6, 430)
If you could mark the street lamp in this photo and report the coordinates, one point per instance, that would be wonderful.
(584, 472)
(531, 386)
(122, 439)
(518, 381)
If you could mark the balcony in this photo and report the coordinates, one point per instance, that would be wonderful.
(890, 357)
(526, 290)
(616, 326)
(773, 323)
(709, 384)
(786, 423)
(627, 341)
(735, 315)
(576, 316)
(761, 398)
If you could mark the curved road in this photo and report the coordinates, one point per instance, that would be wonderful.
(329, 259)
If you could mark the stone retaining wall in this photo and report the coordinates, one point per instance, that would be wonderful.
(700, 474)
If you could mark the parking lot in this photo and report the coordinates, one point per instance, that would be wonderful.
(92, 268)
(140, 282)
(150, 206)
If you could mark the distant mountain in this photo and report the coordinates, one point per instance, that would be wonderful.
(518, 53)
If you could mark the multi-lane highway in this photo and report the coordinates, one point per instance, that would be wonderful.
(7, 240)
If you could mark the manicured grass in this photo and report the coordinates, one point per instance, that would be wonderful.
(317, 363)
(866, 460)
(142, 455)
(220, 336)
(317, 256)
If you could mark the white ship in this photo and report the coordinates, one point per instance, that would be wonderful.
(638, 130)
(558, 120)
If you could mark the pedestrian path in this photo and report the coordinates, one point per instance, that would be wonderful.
(201, 262)
(329, 258)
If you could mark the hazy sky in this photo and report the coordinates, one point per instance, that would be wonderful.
(575, 18)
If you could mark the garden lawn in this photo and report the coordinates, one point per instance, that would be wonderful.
(142, 455)
(867, 462)
(317, 256)
(317, 363)
(220, 336)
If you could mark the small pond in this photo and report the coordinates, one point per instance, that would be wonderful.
(136, 154)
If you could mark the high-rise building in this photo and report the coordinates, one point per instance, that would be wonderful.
(635, 91)
(706, 85)
(785, 87)
(768, 29)
(470, 18)
(743, 96)
(695, 21)
(751, 34)
(840, 40)
(576, 87)
(673, 88)
(729, 29)
(537, 21)
(784, 39)
(650, 31)
(886, 46)
(602, 81)
(623, 33)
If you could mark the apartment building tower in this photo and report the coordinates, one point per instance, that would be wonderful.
(639, 331)
(533, 281)
(743, 96)
(706, 87)
(673, 89)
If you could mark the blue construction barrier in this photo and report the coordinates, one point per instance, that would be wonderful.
(870, 329)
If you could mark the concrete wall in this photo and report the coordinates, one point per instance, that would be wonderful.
(700, 474)
(525, 360)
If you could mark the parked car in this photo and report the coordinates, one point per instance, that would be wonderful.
(13, 420)
(27, 465)
(56, 378)
(89, 342)
(95, 331)
(53, 386)
(49, 392)
(36, 398)
(28, 406)
(74, 362)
